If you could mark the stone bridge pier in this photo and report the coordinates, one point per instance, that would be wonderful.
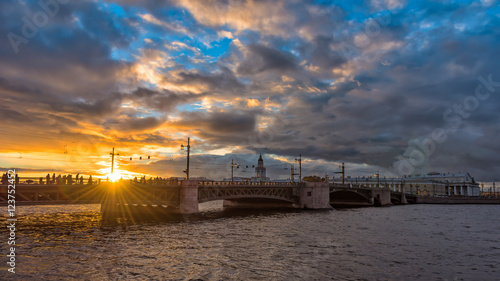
(314, 195)
(188, 201)
(381, 197)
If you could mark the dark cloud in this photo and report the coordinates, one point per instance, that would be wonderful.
(222, 81)
(222, 123)
(139, 124)
(261, 59)
(323, 55)
(163, 101)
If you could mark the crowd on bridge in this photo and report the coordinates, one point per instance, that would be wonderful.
(5, 179)
(79, 180)
(156, 181)
(59, 180)
(65, 179)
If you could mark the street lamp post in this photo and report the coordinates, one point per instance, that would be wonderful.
(300, 167)
(113, 154)
(232, 165)
(292, 173)
(188, 150)
(342, 172)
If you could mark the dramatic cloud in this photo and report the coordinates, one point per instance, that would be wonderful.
(366, 83)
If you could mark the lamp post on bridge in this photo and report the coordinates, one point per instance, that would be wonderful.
(232, 166)
(113, 154)
(300, 167)
(342, 172)
(188, 150)
(292, 173)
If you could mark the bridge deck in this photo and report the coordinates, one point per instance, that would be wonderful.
(139, 193)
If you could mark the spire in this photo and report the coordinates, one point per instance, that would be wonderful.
(260, 157)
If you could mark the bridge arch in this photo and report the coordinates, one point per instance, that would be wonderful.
(284, 194)
(349, 196)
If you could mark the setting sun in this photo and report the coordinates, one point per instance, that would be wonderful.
(114, 176)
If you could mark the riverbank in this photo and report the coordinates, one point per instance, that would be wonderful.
(457, 200)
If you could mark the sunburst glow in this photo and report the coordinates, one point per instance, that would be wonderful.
(114, 176)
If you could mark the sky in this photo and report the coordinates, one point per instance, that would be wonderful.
(400, 87)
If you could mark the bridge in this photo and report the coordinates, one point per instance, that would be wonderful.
(172, 196)
(347, 195)
(169, 197)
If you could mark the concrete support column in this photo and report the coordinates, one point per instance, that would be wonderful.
(469, 193)
(454, 190)
(188, 202)
(315, 195)
(461, 190)
(403, 199)
(381, 197)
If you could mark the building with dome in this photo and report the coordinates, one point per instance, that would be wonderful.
(260, 172)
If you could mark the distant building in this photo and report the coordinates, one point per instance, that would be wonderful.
(431, 184)
(198, 179)
(237, 179)
(260, 172)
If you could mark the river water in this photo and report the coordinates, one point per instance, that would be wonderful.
(412, 242)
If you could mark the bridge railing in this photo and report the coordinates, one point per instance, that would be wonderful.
(151, 181)
(86, 181)
(348, 185)
(61, 181)
(244, 183)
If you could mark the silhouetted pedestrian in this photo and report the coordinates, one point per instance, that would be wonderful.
(17, 179)
(48, 178)
(90, 180)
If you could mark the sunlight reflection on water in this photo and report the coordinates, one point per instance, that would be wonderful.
(425, 242)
